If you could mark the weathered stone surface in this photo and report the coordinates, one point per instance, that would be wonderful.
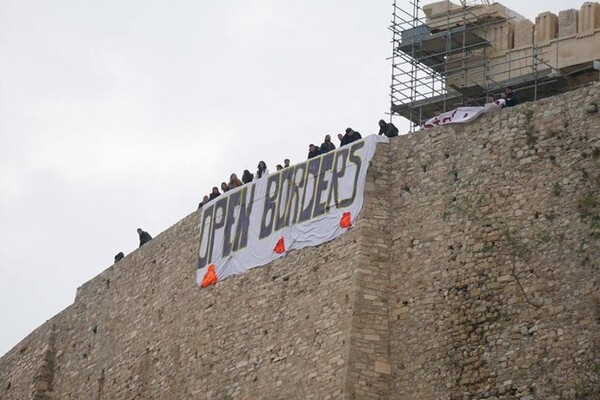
(546, 27)
(567, 23)
(589, 17)
(472, 273)
(567, 41)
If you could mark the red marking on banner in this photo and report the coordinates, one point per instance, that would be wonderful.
(210, 278)
(280, 246)
(346, 221)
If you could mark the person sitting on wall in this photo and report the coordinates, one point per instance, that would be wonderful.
(313, 151)
(503, 97)
(205, 200)
(511, 97)
(261, 170)
(327, 145)
(214, 193)
(388, 129)
(144, 236)
(247, 176)
(351, 136)
(119, 256)
(224, 187)
(234, 181)
(472, 102)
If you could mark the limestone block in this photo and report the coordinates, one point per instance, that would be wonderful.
(589, 17)
(440, 7)
(501, 36)
(523, 33)
(546, 27)
(567, 23)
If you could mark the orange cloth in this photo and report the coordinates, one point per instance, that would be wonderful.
(210, 278)
(280, 246)
(346, 222)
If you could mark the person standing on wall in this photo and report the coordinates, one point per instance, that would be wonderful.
(511, 97)
(261, 171)
(234, 181)
(327, 145)
(119, 257)
(352, 135)
(313, 151)
(214, 193)
(247, 176)
(388, 129)
(144, 236)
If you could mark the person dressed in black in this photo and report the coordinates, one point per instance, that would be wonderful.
(313, 151)
(119, 256)
(388, 129)
(247, 176)
(205, 200)
(472, 102)
(511, 97)
(214, 193)
(327, 145)
(350, 136)
(144, 236)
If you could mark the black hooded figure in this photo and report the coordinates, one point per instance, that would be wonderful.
(144, 236)
(247, 176)
(387, 128)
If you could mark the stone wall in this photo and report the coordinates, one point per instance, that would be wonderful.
(472, 273)
(495, 253)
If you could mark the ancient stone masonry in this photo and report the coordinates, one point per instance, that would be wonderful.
(457, 56)
(495, 257)
(472, 273)
(567, 41)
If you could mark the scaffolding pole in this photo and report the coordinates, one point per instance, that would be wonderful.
(435, 69)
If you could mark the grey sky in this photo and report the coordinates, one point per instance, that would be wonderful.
(116, 115)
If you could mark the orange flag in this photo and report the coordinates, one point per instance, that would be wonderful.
(210, 278)
(280, 246)
(346, 222)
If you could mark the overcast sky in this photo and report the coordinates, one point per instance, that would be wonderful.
(116, 115)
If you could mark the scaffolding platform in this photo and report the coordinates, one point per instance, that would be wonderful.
(450, 54)
(432, 49)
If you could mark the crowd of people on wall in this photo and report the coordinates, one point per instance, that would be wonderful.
(508, 95)
(385, 128)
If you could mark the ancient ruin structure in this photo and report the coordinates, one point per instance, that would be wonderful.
(445, 53)
(471, 273)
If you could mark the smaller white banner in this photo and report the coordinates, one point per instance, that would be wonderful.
(463, 114)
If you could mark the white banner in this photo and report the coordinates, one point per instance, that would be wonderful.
(463, 114)
(303, 205)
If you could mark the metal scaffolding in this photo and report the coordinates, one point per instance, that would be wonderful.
(436, 68)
